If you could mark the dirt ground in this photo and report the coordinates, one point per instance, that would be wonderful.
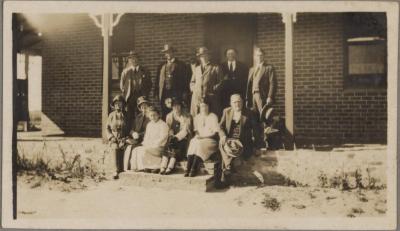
(108, 199)
(320, 192)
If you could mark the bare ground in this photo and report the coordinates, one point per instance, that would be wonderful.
(108, 199)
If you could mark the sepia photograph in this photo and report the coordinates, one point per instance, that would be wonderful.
(200, 115)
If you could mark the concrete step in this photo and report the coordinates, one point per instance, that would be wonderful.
(207, 167)
(202, 183)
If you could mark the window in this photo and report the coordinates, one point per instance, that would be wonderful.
(366, 50)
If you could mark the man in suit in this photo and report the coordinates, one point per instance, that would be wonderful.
(205, 83)
(235, 77)
(173, 80)
(261, 87)
(135, 82)
(238, 126)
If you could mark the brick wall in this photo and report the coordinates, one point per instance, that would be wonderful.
(324, 110)
(152, 31)
(72, 74)
(270, 36)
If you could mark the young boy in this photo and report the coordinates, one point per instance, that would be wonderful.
(117, 133)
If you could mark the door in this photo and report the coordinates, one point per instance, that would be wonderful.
(225, 31)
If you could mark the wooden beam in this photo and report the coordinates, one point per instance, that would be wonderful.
(288, 19)
(106, 27)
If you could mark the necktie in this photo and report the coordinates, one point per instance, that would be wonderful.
(202, 69)
(257, 70)
(230, 67)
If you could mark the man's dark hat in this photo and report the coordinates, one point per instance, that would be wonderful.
(202, 51)
(132, 54)
(141, 100)
(176, 100)
(167, 48)
(266, 113)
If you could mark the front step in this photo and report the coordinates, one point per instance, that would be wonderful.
(202, 183)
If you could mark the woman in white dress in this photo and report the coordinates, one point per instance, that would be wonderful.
(204, 143)
(148, 156)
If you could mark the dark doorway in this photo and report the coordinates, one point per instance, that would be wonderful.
(225, 31)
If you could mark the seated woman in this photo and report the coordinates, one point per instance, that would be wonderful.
(204, 143)
(148, 156)
(180, 125)
(117, 134)
(138, 129)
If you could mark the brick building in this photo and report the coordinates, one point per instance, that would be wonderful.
(335, 98)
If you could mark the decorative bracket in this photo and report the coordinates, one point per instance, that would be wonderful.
(106, 22)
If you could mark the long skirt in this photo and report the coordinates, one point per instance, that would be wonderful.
(146, 158)
(203, 148)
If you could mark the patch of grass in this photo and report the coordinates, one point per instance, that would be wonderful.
(357, 210)
(70, 168)
(343, 180)
(271, 203)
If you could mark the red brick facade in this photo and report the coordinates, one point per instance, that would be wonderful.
(72, 74)
(324, 110)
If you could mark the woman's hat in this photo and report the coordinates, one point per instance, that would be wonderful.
(118, 98)
(266, 113)
(154, 109)
(205, 100)
(141, 100)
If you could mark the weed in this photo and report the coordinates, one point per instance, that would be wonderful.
(271, 203)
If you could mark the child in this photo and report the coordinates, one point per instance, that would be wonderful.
(179, 124)
(116, 133)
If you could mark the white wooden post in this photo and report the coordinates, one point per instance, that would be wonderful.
(288, 19)
(106, 24)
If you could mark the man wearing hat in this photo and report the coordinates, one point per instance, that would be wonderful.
(138, 129)
(173, 79)
(261, 87)
(135, 82)
(235, 77)
(238, 125)
(180, 127)
(206, 81)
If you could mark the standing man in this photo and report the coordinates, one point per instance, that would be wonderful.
(205, 83)
(173, 80)
(261, 88)
(135, 82)
(235, 77)
(261, 85)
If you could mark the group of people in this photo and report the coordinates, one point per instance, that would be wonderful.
(206, 110)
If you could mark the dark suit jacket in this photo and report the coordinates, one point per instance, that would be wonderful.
(248, 127)
(127, 83)
(267, 84)
(181, 75)
(139, 125)
(238, 83)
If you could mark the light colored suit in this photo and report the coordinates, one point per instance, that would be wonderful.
(205, 84)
